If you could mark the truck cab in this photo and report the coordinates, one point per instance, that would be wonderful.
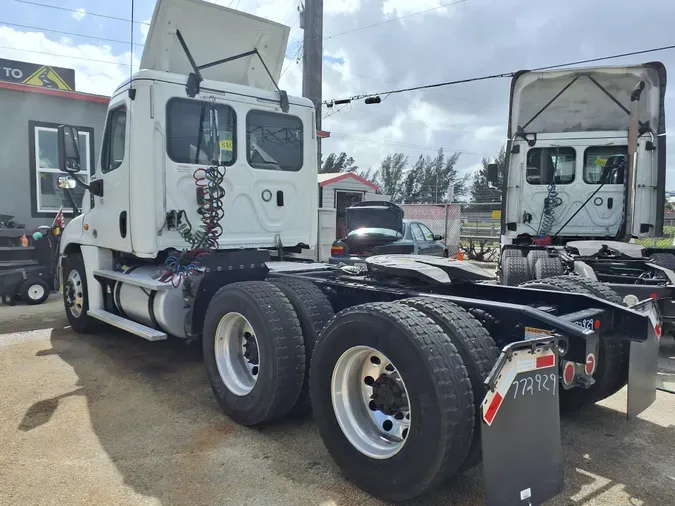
(569, 141)
(150, 185)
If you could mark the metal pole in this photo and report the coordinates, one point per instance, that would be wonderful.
(312, 61)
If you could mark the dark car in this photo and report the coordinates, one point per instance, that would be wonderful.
(378, 228)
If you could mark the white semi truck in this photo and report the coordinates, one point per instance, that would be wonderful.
(206, 188)
(585, 177)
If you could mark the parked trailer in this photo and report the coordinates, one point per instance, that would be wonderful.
(415, 368)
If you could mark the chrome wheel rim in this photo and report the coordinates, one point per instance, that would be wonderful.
(36, 292)
(74, 293)
(371, 402)
(237, 354)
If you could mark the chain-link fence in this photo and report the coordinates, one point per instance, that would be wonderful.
(480, 230)
(442, 219)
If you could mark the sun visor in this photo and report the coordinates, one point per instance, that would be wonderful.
(213, 32)
(586, 99)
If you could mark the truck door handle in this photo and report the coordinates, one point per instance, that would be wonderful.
(280, 198)
(123, 224)
(610, 203)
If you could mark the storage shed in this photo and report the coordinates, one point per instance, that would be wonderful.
(340, 190)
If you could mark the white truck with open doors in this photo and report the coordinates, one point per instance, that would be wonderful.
(585, 176)
(414, 368)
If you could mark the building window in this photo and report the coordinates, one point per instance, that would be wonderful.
(274, 141)
(48, 197)
(189, 127)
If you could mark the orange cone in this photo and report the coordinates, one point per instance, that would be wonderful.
(460, 255)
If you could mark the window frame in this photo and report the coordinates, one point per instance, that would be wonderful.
(412, 232)
(574, 173)
(106, 145)
(34, 173)
(283, 115)
(584, 174)
(422, 227)
(217, 104)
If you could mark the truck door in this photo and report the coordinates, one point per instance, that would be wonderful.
(108, 220)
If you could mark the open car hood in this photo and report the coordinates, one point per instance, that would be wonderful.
(213, 32)
(374, 215)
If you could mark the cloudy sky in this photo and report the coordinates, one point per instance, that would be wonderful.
(389, 44)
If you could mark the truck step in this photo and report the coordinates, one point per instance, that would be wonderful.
(132, 280)
(128, 325)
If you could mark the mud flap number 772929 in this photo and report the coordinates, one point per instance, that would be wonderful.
(520, 429)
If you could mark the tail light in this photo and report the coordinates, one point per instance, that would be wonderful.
(337, 250)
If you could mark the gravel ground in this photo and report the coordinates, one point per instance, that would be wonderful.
(112, 419)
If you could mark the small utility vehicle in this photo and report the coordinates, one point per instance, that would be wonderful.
(205, 191)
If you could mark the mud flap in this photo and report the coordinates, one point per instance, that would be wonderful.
(520, 427)
(643, 363)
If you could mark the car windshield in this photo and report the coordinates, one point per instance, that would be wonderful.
(375, 231)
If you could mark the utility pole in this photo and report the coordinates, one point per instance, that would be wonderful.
(312, 60)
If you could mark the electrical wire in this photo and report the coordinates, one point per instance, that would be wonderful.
(57, 7)
(395, 19)
(408, 145)
(65, 56)
(496, 76)
(28, 27)
(288, 65)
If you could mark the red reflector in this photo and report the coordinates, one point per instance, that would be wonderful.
(492, 409)
(568, 374)
(337, 251)
(653, 296)
(590, 364)
(657, 329)
(546, 361)
(596, 324)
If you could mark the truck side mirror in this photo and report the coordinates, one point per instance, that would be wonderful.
(493, 174)
(69, 149)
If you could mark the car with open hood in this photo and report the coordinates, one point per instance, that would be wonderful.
(378, 228)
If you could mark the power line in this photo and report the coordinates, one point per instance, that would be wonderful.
(288, 66)
(65, 56)
(28, 27)
(394, 19)
(330, 103)
(29, 2)
(408, 145)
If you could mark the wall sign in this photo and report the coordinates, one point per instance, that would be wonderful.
(45, 76)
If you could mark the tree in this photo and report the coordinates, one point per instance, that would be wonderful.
(480, 190)
(337, 163)
(390, 175)
(430, 179)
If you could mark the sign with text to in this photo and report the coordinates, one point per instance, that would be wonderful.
(44, 76)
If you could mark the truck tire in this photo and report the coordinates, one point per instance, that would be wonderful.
(254, 352)
(665, 260)
(34, 291)
(610, 354)
(533, 256)
(511, 252)
(314, 312)
(515, 271)
(75, 295)
(391, 352)
(477, 349)
(547, 268)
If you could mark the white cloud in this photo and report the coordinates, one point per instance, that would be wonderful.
(97, 68)
(79, 14)
(405, 7)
